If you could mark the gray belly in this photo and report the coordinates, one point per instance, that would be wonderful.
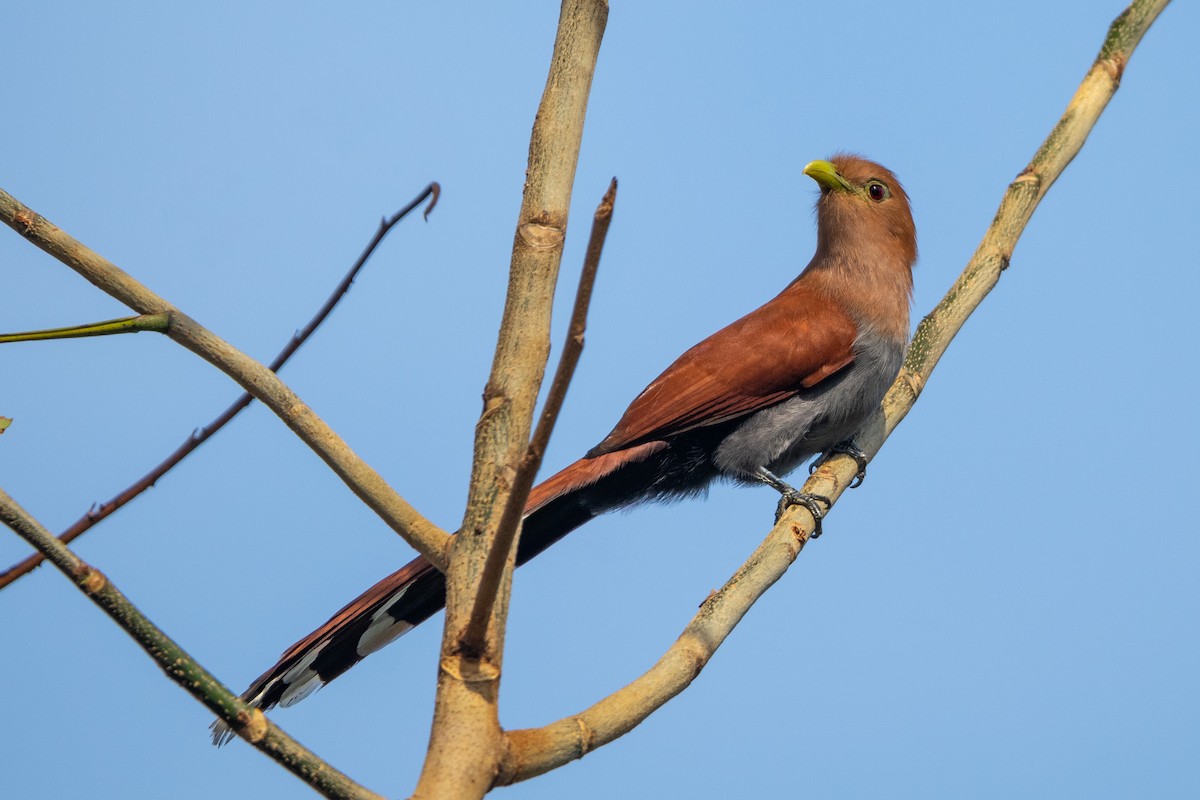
(785, 435)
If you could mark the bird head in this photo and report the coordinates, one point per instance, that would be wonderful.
(863, 211)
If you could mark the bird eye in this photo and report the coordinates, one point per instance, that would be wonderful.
(878, 191)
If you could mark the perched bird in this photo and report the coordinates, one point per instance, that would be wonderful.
(788, 381)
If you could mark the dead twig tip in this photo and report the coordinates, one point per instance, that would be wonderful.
(435, 191)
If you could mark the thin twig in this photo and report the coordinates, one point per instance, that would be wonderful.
(144, 322)
(360, 477)
(531, 752)
(179, 666)
(493, 568)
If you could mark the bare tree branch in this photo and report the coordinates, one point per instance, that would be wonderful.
(179, 666)
(254, 377)
(994, 253)
(465, 743)
(527, 470)
(531, 752)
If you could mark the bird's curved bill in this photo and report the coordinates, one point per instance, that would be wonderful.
(826, 174)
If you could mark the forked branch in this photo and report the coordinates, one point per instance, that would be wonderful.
(527, 470)
(466, 741)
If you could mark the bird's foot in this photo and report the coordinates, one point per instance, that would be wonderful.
(812, 502)
(848, 448)
(790, 496)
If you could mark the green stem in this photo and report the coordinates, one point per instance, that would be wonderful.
(142, 322)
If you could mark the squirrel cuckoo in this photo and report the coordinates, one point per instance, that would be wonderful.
(788, 381)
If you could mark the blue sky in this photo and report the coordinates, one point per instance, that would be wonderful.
(1008, 607)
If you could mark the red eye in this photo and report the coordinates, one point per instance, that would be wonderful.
(877, 191)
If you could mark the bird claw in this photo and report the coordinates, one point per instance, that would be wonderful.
(812, 502)
(847, 448)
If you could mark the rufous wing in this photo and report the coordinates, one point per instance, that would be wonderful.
(792, 343)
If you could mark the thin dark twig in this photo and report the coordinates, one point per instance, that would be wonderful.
(527, 470)
(200, 435)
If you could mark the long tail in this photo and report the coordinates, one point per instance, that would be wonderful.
(415, 592)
